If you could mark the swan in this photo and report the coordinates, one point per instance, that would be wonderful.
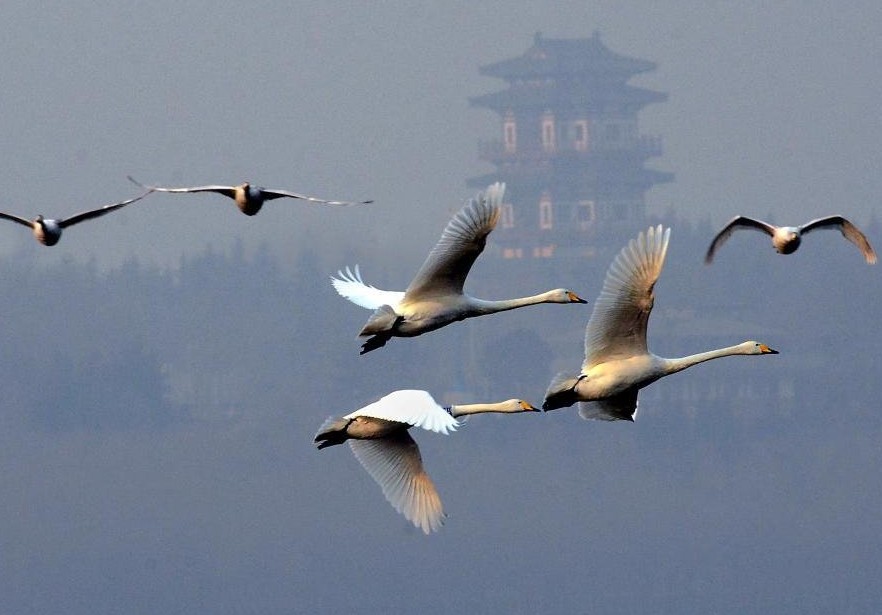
(435, 296)
(48, 231)
(379, 440)
(249, 198)
(617, 363)
(786, 239)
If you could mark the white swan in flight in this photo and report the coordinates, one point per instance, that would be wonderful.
(48, 231)
(617, 362)
(786, 239)
(379, 439)
(435, 296)
(249, 198)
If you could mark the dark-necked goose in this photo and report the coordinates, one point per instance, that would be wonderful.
(786, 239)
(249, 198)
(48, 231)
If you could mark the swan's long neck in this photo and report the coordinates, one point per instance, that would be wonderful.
(485, 306)
(672, 366)
(466, 409)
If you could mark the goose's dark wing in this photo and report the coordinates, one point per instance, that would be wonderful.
(13, 218)
(229, 191)
(94, 213)
(738, 222)
(848, 230)
(269, 195)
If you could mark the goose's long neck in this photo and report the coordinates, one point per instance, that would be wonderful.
(485, 306)
(466, 409)
(678, 364)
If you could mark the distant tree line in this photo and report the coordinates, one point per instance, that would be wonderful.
(228, 335)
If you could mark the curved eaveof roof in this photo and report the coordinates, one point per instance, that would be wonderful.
(559, 56)
(577, 95)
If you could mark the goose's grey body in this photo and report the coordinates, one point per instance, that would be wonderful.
(786, 239)
(435, 296)
(48, 231)
(617, 361)
(379, 439)
(249, 199)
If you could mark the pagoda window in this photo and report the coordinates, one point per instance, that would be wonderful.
(620, 210)
(506, 215)
(580, 135)
(585, 215)
(548, 133)
(613, 133)
(546, 214)
(509, 133)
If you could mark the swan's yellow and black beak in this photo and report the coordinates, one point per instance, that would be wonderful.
(528, 407)
(766, 350)
(574, 298)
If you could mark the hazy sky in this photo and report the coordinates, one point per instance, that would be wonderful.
(771, 506)
(772, 110)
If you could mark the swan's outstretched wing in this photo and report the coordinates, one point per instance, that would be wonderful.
(88, 215)
(738, 222)
(416, 408)
(617, 327)
(445, 269)
(269, 195)
(848, 230)
(622, 407)
(350, 286)
(14, 218)
(396, 465)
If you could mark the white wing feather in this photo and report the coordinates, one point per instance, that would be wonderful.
(396, 466)
(350, 286)
(617, 327)
(448, 264)
(415, 408)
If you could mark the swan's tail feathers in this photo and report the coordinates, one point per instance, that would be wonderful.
(622, 407)
(381, 321)
(561, 392)
(332, 431)
(349, 284)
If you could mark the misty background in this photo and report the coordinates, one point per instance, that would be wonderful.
(167, 366)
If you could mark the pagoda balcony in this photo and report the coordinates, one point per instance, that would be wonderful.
(494, 150)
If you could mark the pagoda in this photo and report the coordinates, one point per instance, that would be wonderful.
(570, 150)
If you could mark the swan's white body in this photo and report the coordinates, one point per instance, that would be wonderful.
(48, 231)
(786, 239)
(435, 297)
(617, 362)
(249, 199)
(380, 441)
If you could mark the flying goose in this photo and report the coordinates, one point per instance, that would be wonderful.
(786, 239)
(249, 198)
(435, 296)
(48, 231)
(617, 362)
(379, 438)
